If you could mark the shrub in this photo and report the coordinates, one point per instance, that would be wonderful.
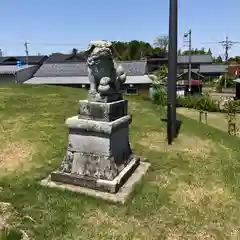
(203, 102)
(159, 97)
(10, 234)
(219, 88)
(232, 106)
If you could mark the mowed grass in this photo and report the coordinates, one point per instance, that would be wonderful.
(214, 119)
(190, 192)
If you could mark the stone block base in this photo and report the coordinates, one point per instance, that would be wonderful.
(97, 149)
(94, 183)
(120, 197)
(105, 112)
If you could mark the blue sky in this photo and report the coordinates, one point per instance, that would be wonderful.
(58, 26)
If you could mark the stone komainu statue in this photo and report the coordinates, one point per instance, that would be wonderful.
(104, 75)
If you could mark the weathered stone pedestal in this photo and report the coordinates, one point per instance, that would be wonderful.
(98, 155)
(99, 160)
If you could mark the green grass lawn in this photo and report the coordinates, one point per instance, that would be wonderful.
(215, 119)
(190, 192)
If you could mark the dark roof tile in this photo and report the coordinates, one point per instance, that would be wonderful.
(31, 59)
(213, 68)
(62, 58)
(195, 58)
(12, 69)
(182, 59)
(62, 69)
(134, 68)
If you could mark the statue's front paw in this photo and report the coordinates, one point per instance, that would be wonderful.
(103, 89)
(105, 81)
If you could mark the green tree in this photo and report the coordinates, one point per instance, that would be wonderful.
(235, 59)
(146, 49)
(162, 43)
(119, 48)
(209, 51)
(159, 77)
(162, 72)
(202, 50)
(218, 60)
(56, 53)
(195, 51)
(133, 50)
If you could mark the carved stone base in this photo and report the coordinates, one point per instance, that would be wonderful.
(120, 196)
(93, 165)
(111, 186)
(97, 149)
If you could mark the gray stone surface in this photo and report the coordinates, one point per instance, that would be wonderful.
(120, 197)
(97, 183)
(106, 112)
(106, 78)
(97, 149)
(97, 126)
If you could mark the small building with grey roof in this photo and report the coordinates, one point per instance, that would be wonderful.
(10, 74)
(29, 60)
(155, 62)
(213, 70)
(200, 63)
(72, 71)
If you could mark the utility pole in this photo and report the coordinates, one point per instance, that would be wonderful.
(172, 70)
(188, 35)
(26, 51)
(227, 44)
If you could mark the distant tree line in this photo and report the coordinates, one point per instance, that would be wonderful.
(235, 59)
(196, 51)
(136, 50)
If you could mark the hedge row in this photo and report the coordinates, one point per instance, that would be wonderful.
(200, 102)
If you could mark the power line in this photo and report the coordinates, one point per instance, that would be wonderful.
(226, 44)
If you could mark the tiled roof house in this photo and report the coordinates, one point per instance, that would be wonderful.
(66, 70)
(213, 69)
(202, 64)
